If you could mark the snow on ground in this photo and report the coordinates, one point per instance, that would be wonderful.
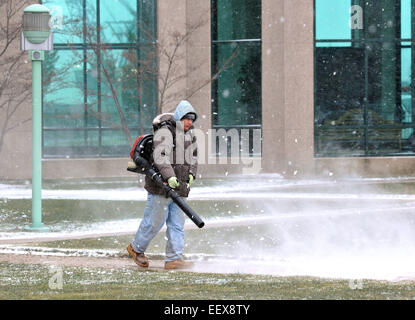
(374, 240)
(252, 190)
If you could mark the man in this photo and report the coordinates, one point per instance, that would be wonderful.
(175, 157)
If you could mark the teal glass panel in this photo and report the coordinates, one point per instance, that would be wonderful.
(139, 80)
(406, 19)
(63, 95)
(333, 19)
(114, 138)
(118, 21)
(406, 73)
(92, 137)
(65, 138)
(406, 92)
(130, 89)
(92, 117)
(87, 89)
(117, 91)
(68, 22)
(147, 25)
(91, 21)
(238, 19)
(333, 44)
(238, 86)
(71, 143)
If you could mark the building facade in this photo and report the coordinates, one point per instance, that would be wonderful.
(302, 88)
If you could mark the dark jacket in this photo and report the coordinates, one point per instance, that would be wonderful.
(175, 154)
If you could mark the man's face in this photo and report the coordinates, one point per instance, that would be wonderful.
(187, 123)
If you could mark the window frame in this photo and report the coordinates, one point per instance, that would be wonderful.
(100, 150)
(400, 43)
(215, 43)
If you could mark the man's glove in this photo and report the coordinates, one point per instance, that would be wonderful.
(173, 183)
(191, 180)
(132, 165)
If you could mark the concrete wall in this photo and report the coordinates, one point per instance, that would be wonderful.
(287, 80)
(172, 53)
(15, 106)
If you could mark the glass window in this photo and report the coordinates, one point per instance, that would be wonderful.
(237, 19)
(332, 20)
(68, 19)
(238, 88)
(236, 64)
(406, 19)
(63, 102)
(118, 21)
(363, 86)
(97, 97)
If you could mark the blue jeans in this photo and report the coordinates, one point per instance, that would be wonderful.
(160, 210)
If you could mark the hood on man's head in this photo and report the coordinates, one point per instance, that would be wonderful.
(183, 108)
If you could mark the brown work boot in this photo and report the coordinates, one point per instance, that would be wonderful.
(139, 258)
(178, 264)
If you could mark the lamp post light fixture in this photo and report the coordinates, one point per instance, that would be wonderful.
(36, 37)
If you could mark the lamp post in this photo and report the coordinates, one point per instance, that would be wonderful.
(36, 37)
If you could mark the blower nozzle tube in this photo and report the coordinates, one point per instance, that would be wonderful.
(145, 167)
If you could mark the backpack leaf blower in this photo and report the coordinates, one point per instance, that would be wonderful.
(140, 154)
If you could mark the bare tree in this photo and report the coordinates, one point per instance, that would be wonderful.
(14, 76)
(169, 55)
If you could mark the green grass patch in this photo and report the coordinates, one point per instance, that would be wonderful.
(32, 282)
